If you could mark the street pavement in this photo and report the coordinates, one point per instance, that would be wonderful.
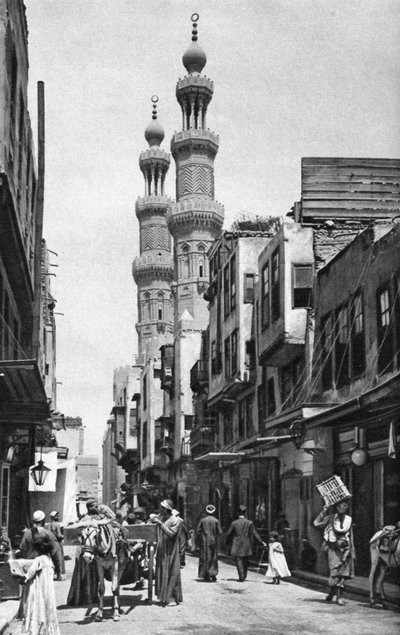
(226, 607)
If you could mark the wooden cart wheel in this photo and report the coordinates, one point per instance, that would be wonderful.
(151, 569)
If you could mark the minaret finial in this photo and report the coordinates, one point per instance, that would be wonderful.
(154, 100)
(194, 59)
(154, 133)
(194, 18)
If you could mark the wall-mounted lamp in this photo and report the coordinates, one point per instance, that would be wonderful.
(40, 472)
(359, 457)
(310, 447)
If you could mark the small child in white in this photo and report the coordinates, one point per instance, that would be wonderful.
(277, 566)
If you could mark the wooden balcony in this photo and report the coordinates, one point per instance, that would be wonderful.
(199, 376)
(203, 438)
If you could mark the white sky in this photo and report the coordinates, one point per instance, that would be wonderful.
(292, 78)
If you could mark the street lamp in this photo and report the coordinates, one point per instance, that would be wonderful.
(40, 472)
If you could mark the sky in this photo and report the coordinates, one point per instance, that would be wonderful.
(292, 78)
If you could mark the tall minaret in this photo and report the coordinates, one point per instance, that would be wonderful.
(153, 270)
(195, 220)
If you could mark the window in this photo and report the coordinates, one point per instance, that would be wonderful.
(227, 428)
(201, 271)
(226, 291)
(242, 419)
(265, 293)
(249, 417)
(250, 360)
(262, 401)
(342, 346)
(275, 287)
(234, 352)
(145, 392)
(227, 350)
(385, 331)
(286, 388)
(233, 282)
(213, 358)
(298, 367)
(357, 340)
(144, 439)
(302, 286)
(271, 397)
(248, 296)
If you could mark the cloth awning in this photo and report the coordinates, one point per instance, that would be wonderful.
(23, 398)
(220, 456)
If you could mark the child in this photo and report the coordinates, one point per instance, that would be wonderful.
(277, 567)
(40, 612)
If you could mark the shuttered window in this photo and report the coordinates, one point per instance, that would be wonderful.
(302, 286)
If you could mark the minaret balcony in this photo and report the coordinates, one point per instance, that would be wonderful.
(195, 137)
(143, 269)
(194, 85)
(154, 154)
(200, 211)
(195, 80)
(153, 203)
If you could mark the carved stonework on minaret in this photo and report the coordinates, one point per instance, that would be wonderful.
(153, 270)
(195, 179)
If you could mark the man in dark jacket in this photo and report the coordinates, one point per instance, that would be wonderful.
(208, 532)
(241, 534)
(27, 543)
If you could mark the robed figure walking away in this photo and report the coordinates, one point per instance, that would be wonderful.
(208, 532)
(168, 585)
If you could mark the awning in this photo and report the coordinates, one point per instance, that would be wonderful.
(23, 398)
(220, 456)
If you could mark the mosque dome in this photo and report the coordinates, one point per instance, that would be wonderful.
(194, 59)
(154, 133)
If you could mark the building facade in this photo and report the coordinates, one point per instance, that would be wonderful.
(24, 405)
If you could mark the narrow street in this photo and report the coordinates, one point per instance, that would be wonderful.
(255, 607)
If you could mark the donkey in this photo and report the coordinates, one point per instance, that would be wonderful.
(103, 544)
(381, 561)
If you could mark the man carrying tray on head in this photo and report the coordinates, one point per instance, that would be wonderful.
(338, 544)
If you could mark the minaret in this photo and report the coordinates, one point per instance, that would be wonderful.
(153, 270)
(195, 220)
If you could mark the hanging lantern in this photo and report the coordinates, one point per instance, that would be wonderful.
(40, 472)
(359, 457)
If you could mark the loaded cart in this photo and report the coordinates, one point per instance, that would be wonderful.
(147, 535)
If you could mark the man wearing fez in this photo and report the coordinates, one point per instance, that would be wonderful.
(208, 532)
(241, 534)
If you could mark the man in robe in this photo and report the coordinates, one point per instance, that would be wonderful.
(168, 571)
(183, 536)
(208, 532)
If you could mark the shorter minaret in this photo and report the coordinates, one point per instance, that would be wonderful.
(153, 270)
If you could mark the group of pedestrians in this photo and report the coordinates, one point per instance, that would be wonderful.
(240, 538)
(42, 546)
